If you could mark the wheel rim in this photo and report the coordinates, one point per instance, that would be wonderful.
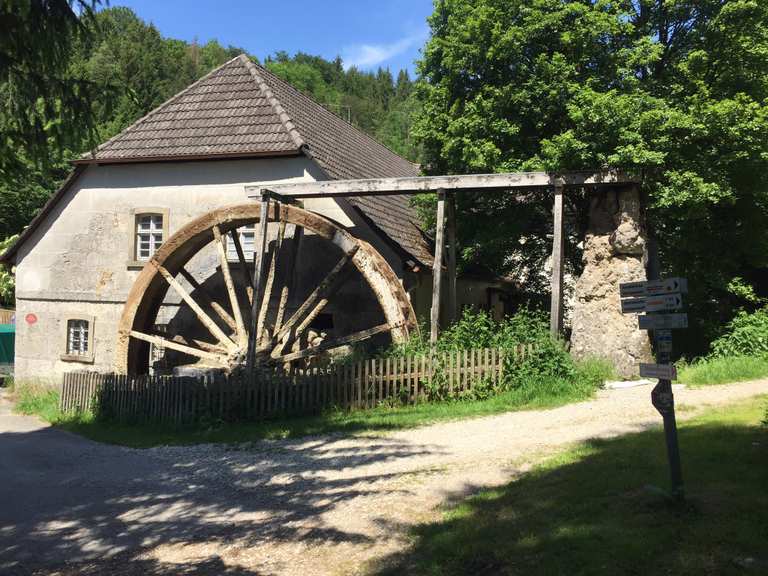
(230, 325)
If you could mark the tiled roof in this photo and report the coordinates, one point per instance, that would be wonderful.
(242, 109)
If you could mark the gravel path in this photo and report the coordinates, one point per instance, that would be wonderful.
(321, 505)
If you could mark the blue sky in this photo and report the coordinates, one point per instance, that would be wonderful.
(365, 33)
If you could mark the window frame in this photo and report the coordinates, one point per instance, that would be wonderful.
(133, 249)
(88, 357)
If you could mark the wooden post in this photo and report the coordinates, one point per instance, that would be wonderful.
(437, 269)
(451, 257)
(258, 287)
(558, 244)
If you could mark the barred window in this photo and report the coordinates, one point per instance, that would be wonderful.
(78, 332)
(149, 235)
(247, 236)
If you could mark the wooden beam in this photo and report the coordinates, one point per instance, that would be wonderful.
(334, 343)
(206, 320)
(206, 299)
(160, 341)
(258, 257)
(558, 245)
(218, 239)
(314, 303)
(451, 256)
(437, 268)
(421, 184)
(235, 235)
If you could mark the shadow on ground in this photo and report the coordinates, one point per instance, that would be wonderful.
(599, 510)
(66, 499)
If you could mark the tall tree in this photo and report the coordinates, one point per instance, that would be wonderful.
(43, 108)
(673, 89)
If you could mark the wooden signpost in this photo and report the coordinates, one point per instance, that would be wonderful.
(657, 297)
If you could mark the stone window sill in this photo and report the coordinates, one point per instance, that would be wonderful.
(86, 359)
(136, 264)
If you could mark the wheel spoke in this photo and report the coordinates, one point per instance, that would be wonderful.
(160, 341)
(243, 265)
(330, 284)
(267, 294)
(286, 276)
(242, 335)
(334, 343)
(206, 320)
(207, 300)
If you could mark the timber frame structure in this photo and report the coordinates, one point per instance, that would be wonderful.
(446, 187)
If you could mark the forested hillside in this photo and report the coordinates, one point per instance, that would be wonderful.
(130, 68)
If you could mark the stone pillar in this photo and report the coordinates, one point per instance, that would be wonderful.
(615, 251)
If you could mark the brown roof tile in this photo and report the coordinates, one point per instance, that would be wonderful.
(242, 109)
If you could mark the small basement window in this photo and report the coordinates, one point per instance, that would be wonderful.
(149, 235)
(79, 340)
(247, 237)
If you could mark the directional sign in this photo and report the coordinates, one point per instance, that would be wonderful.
(663, 321)
(654, 287)
(660, 371)
(652, 303)
(664, 341)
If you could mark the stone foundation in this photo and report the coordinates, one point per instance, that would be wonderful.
(614, 252)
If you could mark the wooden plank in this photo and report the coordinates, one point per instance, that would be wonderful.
(420, 184)
(287, 273)
(437, 268)
(558, 248)
(451, 257)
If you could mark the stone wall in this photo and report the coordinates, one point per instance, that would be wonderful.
(615, 251)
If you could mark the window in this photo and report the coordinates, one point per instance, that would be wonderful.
(247, 236)
(79, 340)
(149, 235)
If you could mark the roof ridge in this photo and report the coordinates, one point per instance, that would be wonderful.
(273, 101)
(92, 153)
(357, 129)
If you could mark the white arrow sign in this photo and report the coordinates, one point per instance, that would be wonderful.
(663, 321)
(660, 371)
(652, 303)
(654, 287)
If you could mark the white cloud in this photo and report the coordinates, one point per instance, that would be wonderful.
(370, 55)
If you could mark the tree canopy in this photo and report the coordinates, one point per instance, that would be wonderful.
(676, 90)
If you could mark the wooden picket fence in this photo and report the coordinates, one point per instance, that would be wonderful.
(364, 384)
(6, 315)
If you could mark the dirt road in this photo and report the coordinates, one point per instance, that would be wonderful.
(320, 505)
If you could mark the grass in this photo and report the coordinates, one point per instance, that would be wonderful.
(539, 393)
(723, 370)
(590, 510)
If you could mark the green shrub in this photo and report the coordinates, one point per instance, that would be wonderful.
(545, 369)
(746, 335)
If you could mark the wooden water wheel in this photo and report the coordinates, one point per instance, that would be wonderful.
(249, 318)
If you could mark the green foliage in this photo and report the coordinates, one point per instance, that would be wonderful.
(746, 335)
(545, 368)
(44, 108)
(7, 281)
(722, 370)
(42, 401)
(675, 91)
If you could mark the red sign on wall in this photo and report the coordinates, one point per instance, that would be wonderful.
(30, 318)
